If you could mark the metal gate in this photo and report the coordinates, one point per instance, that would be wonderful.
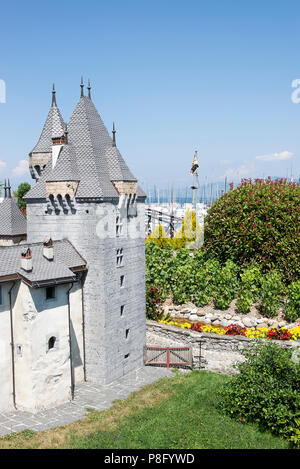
(168, 356)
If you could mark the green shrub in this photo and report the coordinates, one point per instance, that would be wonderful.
(272, 290)
(153, 303)
(226, 284)
(160, 267)
(249, 288)
(292, 308)
(257, 222)
(205, 279)
(266, 391)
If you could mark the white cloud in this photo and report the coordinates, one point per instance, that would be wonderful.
(284, 155)
(237, 173)
(2, 166)
(21, 169)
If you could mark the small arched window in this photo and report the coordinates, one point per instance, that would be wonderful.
(51, 343)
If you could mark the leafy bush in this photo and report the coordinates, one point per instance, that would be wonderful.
(271, 292)
(257, 222)
(292, 308)
(153, 303)
(226, 285)
(186, 234)
(266, 391)
(249, 288)
(159, 237)
(160, 267)
(205, 279)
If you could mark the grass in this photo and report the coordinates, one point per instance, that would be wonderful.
(174, 413)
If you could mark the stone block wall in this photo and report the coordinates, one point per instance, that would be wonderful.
(218, 352)
(114, 339)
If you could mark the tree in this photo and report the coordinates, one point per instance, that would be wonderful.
(23, 188)
(257, 222)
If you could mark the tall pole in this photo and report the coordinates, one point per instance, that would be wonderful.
(195, 187)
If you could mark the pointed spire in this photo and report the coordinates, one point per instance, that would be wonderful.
(89, 89)
(8, 191)
(66, 134)
(53, 96)
(114, 135)
(81, 86)
(5, 189)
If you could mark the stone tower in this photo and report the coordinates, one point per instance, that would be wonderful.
(85, 193)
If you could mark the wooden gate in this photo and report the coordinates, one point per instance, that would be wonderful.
(168, 356)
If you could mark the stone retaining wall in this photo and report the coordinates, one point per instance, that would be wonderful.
(218, 352)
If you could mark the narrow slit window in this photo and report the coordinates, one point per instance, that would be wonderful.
(122, 310)
(122, 278)
(51, 343)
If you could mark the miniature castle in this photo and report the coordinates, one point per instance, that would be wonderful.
(72, 295)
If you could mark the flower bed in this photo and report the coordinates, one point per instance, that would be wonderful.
(235, 329)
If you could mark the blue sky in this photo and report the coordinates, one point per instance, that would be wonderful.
(213, 76)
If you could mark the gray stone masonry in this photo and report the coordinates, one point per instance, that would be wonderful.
(91, 228)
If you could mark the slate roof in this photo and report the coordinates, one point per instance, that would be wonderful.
(12, 222)
(54, 127)
(90, 157)
(44, 271)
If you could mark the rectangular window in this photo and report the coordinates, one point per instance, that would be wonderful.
(122, 281)
(119, 257)
(119, 226)
(127, 333)
(50, 293)
(122, 310)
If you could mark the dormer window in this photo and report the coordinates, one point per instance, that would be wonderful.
(58, 140)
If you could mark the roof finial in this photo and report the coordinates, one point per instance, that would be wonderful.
(114, 135)
(8, 190)
(89, 89)
(5, 189)
(81, 86)
(66, 134)
(53, 96)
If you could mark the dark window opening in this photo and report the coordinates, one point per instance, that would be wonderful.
(122, 310)
(122, 281)
(50, 293)
(127, 333)
(51, 343)
(127, 355)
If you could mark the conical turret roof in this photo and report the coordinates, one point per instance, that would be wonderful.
(90, 157)
(53, 128)
(12, 222)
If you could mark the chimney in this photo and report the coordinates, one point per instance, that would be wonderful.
(48, 251)
(26, 260)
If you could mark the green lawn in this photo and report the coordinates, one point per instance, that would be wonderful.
(176, 413)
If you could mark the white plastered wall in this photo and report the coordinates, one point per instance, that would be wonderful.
(42, 377)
